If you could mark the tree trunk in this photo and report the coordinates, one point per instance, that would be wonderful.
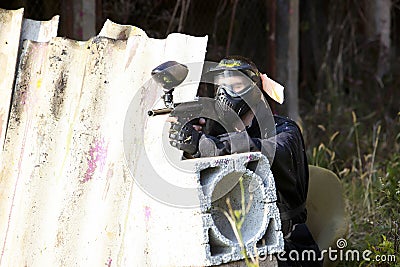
(84, 19)
(378, 28)
(287, 35)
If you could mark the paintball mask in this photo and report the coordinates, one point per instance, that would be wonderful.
(237, 82)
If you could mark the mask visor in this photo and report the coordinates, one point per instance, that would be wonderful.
(234, 82)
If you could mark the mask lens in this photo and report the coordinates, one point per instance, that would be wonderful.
(235, 83)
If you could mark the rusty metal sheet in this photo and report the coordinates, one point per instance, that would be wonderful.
(66, 194)
(10, 31)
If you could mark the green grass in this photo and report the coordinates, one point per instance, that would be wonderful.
(364, 153)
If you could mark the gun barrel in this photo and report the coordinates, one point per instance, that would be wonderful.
(155, 112)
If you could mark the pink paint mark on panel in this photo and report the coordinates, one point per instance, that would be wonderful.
(147, 213)
(23, 98)
(97, 159)
(108, 263)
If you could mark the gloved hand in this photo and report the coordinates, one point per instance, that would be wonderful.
(185, 137)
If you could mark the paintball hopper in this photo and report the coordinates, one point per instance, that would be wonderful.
(169, 75)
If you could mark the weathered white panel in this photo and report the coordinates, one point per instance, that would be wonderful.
(151, 228)
(120, 32)
(66, 196)
(10, 31)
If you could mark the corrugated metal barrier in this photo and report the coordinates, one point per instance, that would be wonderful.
(66, 195)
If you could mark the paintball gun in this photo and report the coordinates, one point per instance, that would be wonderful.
(169, 75)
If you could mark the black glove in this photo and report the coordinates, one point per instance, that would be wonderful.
(226, 144)
(185, 137)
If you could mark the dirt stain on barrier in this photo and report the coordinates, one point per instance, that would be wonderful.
(59, 94)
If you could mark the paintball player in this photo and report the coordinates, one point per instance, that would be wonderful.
(242, 89)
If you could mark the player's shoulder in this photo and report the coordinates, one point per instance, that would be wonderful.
(283, 119)
(283, 124)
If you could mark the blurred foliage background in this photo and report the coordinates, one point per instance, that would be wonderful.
(348, 84)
